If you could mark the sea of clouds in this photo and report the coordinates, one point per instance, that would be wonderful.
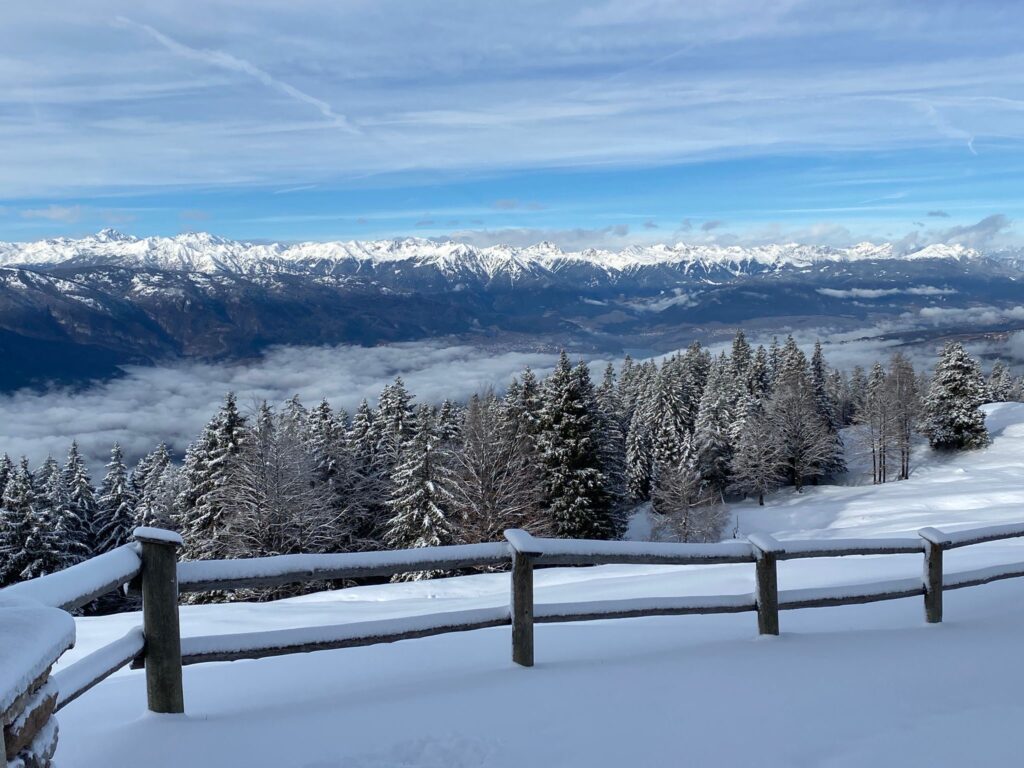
(171, 403)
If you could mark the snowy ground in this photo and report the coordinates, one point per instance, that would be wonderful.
(841, 686)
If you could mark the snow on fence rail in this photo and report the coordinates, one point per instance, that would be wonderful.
(151, 563)
(81, 584)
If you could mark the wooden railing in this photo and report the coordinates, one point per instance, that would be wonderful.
(150, 563)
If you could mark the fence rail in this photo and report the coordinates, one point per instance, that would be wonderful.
(150, 563)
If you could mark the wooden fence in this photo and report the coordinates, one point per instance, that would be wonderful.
(150, 564)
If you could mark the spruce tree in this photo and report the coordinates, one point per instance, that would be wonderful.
(46, 550)
(422, 503)
(1000, 383)
(612, 447)
(371, 479)
(6, 470)
(757, 464)
(206, 475)
(116, 505)
(712, 443)
(71, 538)
(17, 511)
(151, 482)
(953, 416)
(82, 520)
(574, 485)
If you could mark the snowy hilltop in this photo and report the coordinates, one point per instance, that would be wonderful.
(203, 252)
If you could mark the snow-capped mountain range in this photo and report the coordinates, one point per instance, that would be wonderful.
(206, 253)
(72, 310)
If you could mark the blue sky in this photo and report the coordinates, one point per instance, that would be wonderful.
(587, 124)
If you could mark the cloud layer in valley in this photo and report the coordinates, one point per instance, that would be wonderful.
(172, 403)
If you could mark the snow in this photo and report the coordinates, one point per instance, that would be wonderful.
(962, 538)
(31, 638)
(614, 550)
(66, 588)
(71, 680)
(285, 638)
(791, 597)
(812, 547)
(205, 253)
(310, 565)
(662, 604)
(992, 573)
(840, 687)
(157, 534)
(766, 543)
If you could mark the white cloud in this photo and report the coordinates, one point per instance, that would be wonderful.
(172, 403)
(878, 293)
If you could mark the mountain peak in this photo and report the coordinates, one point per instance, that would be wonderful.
(205, 252)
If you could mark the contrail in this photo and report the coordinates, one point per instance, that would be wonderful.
(226, 61)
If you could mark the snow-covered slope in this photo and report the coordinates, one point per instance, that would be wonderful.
(842, 686)
(203, 252)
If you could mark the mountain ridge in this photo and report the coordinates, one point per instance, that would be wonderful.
(208, 253)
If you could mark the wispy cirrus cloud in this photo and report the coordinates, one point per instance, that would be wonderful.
(225, 60)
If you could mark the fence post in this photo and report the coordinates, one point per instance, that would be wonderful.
(160, 619)
(524, 549)
(766, 552)
(934, 544)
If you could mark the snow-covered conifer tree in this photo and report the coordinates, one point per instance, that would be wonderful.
(683, 508)
(757, 465)
(422, 502)
(17, 510)
(83, 521)
(953, 417)
(574, 485)
(116, 505)
(205, 477)
(6, 470)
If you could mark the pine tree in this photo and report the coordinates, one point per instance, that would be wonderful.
(71, 540)
(116, 505)
(712, 443)
(640, 435)
(953, 416)
(674, 414)
(1000, 383)
(759, 380)
(46, 550)
(395, 421)
(611, 443)
(82, 520)
(6, 470)
(370, 481)
(574, 485)
(422, 503)
(497, 480)
(449, 422)
(206, 476)
(274, 504)
(805, 441)
(742, 357)
(684, 509)
(17, 511)
(757, 464)
(41, 477)
(152, 482)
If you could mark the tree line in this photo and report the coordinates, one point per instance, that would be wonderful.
(562, 456)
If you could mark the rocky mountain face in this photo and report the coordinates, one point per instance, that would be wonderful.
(71, 310)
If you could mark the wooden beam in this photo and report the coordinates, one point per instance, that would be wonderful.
(347, 642)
